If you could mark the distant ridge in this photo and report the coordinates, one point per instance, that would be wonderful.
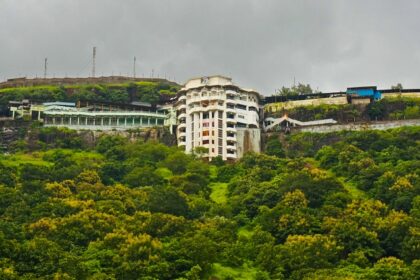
(25, 82)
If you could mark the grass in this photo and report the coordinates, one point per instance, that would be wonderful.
(244, 272)
(213, 172)
(20, 158)
(352, 189)
(245, 232)
(218, 192)
(164, 172)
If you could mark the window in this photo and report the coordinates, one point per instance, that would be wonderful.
(239, 106)
(205, 142)
(206, 133)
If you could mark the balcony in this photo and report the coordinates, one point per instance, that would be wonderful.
(231, 155)
(231, 121)
(231, 110)
(229, 91)
(231, 147)
(182, 107)
(182, 115)
(207, 108)
(231, 138)
(181, 143)
(231, 129)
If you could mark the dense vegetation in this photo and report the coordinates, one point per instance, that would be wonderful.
(316, 206)
(116, 93)
(397, 108)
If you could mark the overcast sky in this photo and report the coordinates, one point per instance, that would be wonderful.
(260, 44)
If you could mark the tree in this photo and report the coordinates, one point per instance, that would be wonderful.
(398, 87)
(177, 162)
(7, 176)
(274, 147)
(143, 176)
(294, 90)
(301, 252)
(201, 152)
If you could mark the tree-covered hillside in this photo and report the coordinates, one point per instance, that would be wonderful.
(396, 108)
(316, 206)
(144, 91)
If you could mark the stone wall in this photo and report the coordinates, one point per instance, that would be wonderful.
(380, 125)
(248, 140)
(279, 106)
(14, 130)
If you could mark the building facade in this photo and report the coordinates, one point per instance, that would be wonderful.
(211, 111)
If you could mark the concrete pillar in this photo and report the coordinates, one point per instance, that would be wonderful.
(109, 121)
(53, 120)
(102, 121)
(141, 121)
(39, 115)
(86, 119)
(133, 121)
(148, 121)
(78, 120)
(13, 114)
(70, 120)
(156, 121)
(118, 121)
(62, 119)
(125, 121)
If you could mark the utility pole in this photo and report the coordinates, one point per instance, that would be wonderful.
(45, 67)
(134, 68)
(94, 62)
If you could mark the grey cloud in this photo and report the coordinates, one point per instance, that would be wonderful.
(262, 44)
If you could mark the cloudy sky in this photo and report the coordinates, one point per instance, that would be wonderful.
(261, 44)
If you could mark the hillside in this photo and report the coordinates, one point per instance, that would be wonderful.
(390, 108)
(315, 206)
(91, 90)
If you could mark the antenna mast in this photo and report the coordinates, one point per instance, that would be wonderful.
(93, 62)
(45, 67)
(134, 68)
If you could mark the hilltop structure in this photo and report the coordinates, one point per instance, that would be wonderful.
(210, 115)
(215, 114)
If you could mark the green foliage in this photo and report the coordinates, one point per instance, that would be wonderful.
(121, 93)
(274, 147)
(394, 109)
(334, 206)
(294, 90)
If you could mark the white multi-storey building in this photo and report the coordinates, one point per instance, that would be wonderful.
(215, 114)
